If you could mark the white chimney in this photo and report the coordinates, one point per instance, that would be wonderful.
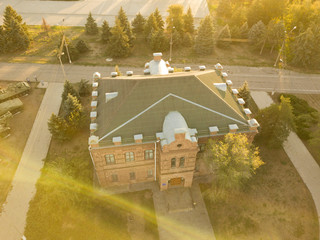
(157, 56)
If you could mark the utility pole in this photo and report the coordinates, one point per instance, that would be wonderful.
(171, 41)
(282, 46)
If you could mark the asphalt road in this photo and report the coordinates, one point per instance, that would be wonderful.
(259, 78)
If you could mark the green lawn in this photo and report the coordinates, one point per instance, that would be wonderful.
(67, 206)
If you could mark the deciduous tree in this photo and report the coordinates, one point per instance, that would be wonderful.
(175, 18)
(188, 21)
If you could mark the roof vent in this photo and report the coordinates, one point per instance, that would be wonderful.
(167, 64)
(235, 91)
(218, 66)
(202, 68)
(241, 101)
(233, 128)
(129, 73)
(170, 69)
(114, 74)
(116, 140)
(157, 56)
(229, 83)
(247, 111)
(187, 69)
(146, 72)
(95, 85)
(96, 76)
(213, 130)
(221, 86)
(111, 95)
(138, 138)
(224, 75)
(147, 65)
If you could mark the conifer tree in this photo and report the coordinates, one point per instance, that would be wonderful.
(119, 42)
(58, 127)
(224, 35)
(71, 104)
(84, 87)
(126, 26)
(68, 89)
(244, 93)
(106, 32)
(14, 32)
(91, 25)
(257, 34)
(159, 20)
(158, 41)
(2, 40)
(150, 26)
(138, 23)
(204, 43)
(175, 18)
(188, 22)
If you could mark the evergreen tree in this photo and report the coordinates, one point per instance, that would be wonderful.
(124, 23)
(204, 43)
(188, 40)
(244, 30)
(68, 89)
(158, 41)
(188, 22)
(276, 123)
(275, 33)
(150, 26)
(91, 25)
(224, 36)
(244, 93)
(2, 40)
(106, 32)
(84, 88)
(258, 34)
(138, 23)
(71, 104)
(14, 32)
(177, 39)
(119, 42)
(82, 46)
(175, 18)
(58, 127)
(72, 50)
(159, 20)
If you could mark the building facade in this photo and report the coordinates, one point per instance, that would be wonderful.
(150, 128)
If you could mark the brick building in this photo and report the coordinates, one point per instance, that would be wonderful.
(151, 127)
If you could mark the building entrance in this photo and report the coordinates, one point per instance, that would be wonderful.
(176, 182)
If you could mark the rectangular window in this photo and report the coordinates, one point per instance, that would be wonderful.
(129, 156)
(181, 162)
(150, 173)
(173, 162)
(148, 154)
(114, 177)
(132, 176)
(109, 158)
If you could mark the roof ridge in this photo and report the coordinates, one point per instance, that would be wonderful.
(160, 100)
(220, 97)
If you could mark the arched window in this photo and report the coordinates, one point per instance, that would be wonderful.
(173, 162)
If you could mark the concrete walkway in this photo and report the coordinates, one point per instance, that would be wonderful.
(13, 216)
(178, 218)
(299, 155)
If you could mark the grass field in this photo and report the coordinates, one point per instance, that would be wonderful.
(11, 148)
(68, 206)
(276, 204)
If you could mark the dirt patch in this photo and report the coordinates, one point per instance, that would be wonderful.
(11, 148)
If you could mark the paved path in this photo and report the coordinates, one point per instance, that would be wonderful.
(13, 216)
(261, 79)
(299, 155)
(75, 13)
(182, 220)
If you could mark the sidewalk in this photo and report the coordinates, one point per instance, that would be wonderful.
(299, 155)
(182, 220)
(13, 216)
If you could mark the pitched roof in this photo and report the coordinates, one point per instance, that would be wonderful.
(144, 101)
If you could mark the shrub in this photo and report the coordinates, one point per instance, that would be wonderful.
(82, 46)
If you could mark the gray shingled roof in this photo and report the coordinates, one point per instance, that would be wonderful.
(143, 102)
